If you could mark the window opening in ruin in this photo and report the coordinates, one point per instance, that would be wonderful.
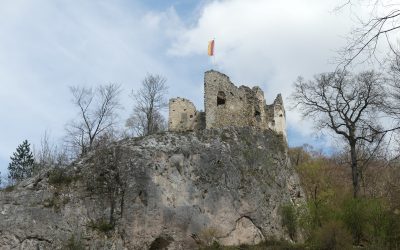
(221, 99)
(280, 115)
(191, 116)
(257, 115)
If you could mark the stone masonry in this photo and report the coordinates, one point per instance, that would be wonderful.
(183, 116)
(227, 105)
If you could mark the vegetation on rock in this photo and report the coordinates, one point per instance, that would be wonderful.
(59, 176)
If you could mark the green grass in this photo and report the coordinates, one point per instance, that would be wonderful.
(266, 245)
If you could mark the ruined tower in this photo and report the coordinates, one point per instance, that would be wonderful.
(227, 105)
(183, 116)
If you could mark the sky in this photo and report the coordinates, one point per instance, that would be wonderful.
(48, 45)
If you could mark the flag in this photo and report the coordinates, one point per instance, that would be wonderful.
(211, 48)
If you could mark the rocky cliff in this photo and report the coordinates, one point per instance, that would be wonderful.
(165, 191)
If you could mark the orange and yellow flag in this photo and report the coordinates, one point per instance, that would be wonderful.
(211, 48)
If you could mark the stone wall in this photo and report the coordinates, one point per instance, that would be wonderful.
(228, 105)
(276, 116)
(279, 116)
(183, 116)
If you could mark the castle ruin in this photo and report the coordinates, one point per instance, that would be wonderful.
(227, 105)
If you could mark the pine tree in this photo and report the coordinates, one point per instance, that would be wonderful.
(22, 162)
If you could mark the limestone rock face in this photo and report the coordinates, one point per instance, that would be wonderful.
(165, 191)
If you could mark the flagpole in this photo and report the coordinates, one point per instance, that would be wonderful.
(215, 63)
(211, 52)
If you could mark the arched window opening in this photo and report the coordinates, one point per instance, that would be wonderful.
(221, 99)
(257, 115)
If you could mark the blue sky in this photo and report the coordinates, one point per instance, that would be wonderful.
(47, 46)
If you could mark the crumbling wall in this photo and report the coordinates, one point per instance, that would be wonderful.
(277, 116)
(183, 116)
(227, 105)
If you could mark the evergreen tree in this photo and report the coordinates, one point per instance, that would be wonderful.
(22, 162)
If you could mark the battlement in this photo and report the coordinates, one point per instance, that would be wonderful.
(227, 105)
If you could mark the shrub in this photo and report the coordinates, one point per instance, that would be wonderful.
(56, 201)
(378, 220)
(392, 231)
(58, 176)
(101, 225)
(289, 219)
(270, 244)
(385, 228)
(161, 242)
(332, 235)
(355, 217)
(9, 188)
(208, 236)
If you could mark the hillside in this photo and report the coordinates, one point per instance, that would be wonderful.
(175, 190)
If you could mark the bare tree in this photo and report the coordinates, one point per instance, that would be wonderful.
(138, 122)
(149, 101)
(96, 118)
(49, 154)
(347, 105)
(393, 105)
(381, 26)
(394, 78)
(45, 154)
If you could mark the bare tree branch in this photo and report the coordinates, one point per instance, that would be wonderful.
(346, 105)
(149, 101)
(97, 115)
(384, 19)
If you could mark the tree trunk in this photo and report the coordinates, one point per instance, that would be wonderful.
(354, 169)
(112, 205)
(150, 120)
